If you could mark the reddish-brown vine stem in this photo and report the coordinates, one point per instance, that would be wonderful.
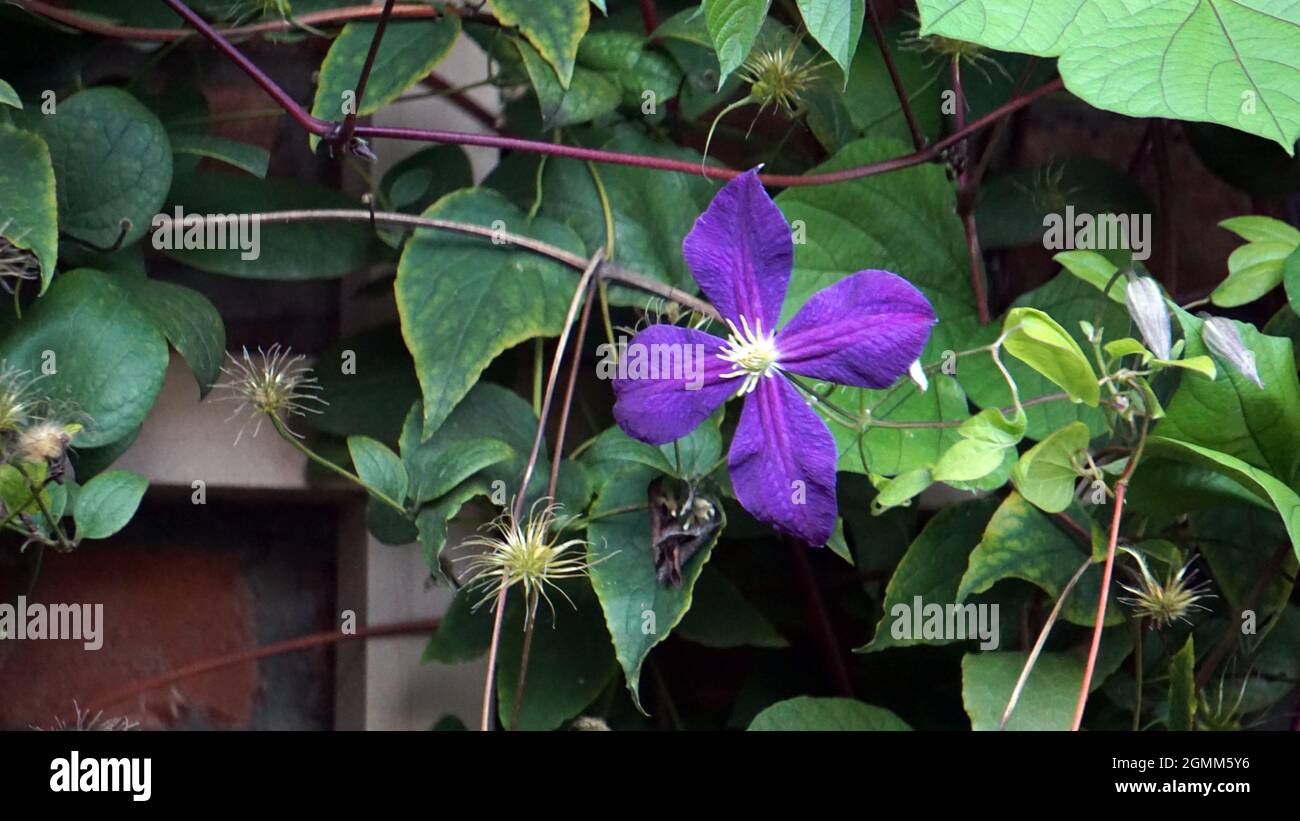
(918, 139)
(279, 648)
(350, 120)
(650, 16)
(322, 128)
(1121, 489)
(71, 19)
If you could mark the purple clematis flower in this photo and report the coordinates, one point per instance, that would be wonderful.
(864, 331)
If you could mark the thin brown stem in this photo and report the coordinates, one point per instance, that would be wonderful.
(518, 508)
(553, 378)
(350, 120)
(1121, 489)
(1042, 640)
(918, 139)
(245, 656)
(823, 630)
(1233, 630)
(322, 128)
(71, 19)
(649, 16)
(485, 721)
(967, 191)
(607, 271)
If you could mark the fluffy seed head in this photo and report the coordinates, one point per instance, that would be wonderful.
(46, 441)
(1164, 603)
(16, 264)
(777, 78)
(275, 383)
(526, 554)
(16, 402)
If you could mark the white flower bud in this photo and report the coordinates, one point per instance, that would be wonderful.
(1147, 307)
(1221, 337)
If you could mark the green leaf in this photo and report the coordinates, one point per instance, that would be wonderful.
(1253, 270)
(1200, 60)
(1182, 688)
(409, 51)
(29, 214)
(932, 568)
(903, 222)
(1128, 346)
(301, 250)
(1262, 229)
(589, 94)
(1045, 474)
(1021, 542)
(420, 180)
(465, 631)
(872, 103)
(1037, 340)
(379, 467)
(610, 50)
(487, 438)
(1094, 269)
(431, 521)
(569, 665)
(836, 25)
(464, 300)
(721, 617)
(1048, 699)
(610, 452)
(1283, 499)
(106, 503)
(107, 356)
(1202, 365)
(809, 713)
(733, 26)
(987, 438)
(1069, 300)
(1233, 415)
(652, 211)
(1291, 277)
(370, 382)
(16, 489)
(653, 73)
(113, 162)
(696, 453)
(8, 96)
(639, 611)
(245, 157)
(555, 29)
(901, 489)
(188, 320)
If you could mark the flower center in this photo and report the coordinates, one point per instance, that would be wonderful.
(753, 354)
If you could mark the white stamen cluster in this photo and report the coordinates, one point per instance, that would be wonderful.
(752, 353)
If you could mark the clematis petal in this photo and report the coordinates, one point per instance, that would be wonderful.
(782, 463)
(741, 252)
(865, 331)
(668, 381)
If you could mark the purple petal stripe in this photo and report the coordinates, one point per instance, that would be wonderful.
(864, 330)
(782, 463)
(741, 252)
(668, 382)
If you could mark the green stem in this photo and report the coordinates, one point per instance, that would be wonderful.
(64, 544)
(289, 437)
